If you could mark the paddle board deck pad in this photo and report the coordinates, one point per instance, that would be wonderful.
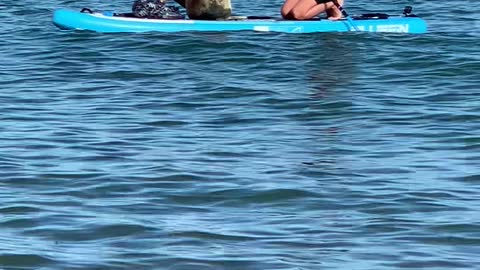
(110, 22)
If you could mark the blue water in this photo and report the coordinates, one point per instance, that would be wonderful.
(240, 150)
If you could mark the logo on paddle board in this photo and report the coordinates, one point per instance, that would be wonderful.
(261, 28)
(393, 28)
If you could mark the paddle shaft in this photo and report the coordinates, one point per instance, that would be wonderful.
(345, 14)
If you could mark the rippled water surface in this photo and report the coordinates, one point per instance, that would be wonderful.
(240, 150)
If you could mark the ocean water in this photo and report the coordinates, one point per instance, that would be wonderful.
(240, 150)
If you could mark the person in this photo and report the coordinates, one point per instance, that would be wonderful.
(307, 9)
(155, 9)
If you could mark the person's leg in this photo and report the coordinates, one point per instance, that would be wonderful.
(287, 8)
(307, 9)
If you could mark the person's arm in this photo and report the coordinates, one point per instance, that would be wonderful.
(334, 13)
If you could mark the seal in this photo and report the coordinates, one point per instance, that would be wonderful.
(155, 9)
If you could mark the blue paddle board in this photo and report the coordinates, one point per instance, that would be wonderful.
(109, 22)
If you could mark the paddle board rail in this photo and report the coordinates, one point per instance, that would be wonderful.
(110, 22)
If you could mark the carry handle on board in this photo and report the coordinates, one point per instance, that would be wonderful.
(86, 10)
